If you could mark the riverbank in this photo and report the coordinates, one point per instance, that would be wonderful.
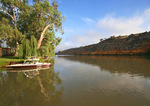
(134, 44)
(6, 60)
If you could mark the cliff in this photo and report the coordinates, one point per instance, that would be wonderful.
(134, 44)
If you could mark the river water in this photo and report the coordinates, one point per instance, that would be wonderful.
(79, 81)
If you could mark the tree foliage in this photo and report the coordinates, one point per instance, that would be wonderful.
(9, 14)
(28, 48)
(148, 51)
(33, 26)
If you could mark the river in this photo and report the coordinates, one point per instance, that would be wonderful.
(79, 81)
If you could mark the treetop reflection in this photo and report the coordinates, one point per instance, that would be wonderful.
(28, 88)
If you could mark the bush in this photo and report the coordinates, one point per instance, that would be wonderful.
(148, 52)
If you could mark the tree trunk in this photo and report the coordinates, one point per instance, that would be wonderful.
(42, 36)
(15, 20)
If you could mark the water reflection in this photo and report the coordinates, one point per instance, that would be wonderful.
(105, 81)
(36, 87)
(80, 81)
(135, 66)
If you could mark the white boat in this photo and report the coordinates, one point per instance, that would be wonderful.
(30, 63)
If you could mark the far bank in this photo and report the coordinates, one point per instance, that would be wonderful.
(134, 44)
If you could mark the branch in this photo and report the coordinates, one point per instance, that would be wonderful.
(14, 14)
(4, 12)
(42, 35)
(50, 42)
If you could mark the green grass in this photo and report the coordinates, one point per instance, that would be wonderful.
(5, 60)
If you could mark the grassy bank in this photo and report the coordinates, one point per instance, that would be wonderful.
(6, 60)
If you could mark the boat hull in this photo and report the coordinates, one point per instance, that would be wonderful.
(29, 65)
(24, 66)
(46, 65)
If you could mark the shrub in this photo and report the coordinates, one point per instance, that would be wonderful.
(148, 51)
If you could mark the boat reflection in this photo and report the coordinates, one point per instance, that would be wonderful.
(30, 87)
(30, 73)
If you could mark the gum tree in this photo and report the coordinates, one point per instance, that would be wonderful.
(9, 16)
(42, 20)
(31, 26)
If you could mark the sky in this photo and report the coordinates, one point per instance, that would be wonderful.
(88, 21)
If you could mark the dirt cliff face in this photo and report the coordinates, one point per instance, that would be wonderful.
(121, 45)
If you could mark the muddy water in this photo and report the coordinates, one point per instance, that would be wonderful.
(79, 81)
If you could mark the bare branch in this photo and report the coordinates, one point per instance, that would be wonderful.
(14, 13)
(42, 35)
(4, 12)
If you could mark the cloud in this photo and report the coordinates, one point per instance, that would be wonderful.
(81, 38)
(86, 37)
(88, 20)
(104, 27)
(123, 26)
(64, 45)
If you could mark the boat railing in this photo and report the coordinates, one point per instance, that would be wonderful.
(32, 58)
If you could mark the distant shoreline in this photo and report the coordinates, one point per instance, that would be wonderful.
(134, 44)
(102, 55)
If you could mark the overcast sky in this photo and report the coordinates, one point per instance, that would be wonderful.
(87, 21)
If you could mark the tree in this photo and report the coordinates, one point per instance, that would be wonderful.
(40, 20)
(101, 40)
(9, 14)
